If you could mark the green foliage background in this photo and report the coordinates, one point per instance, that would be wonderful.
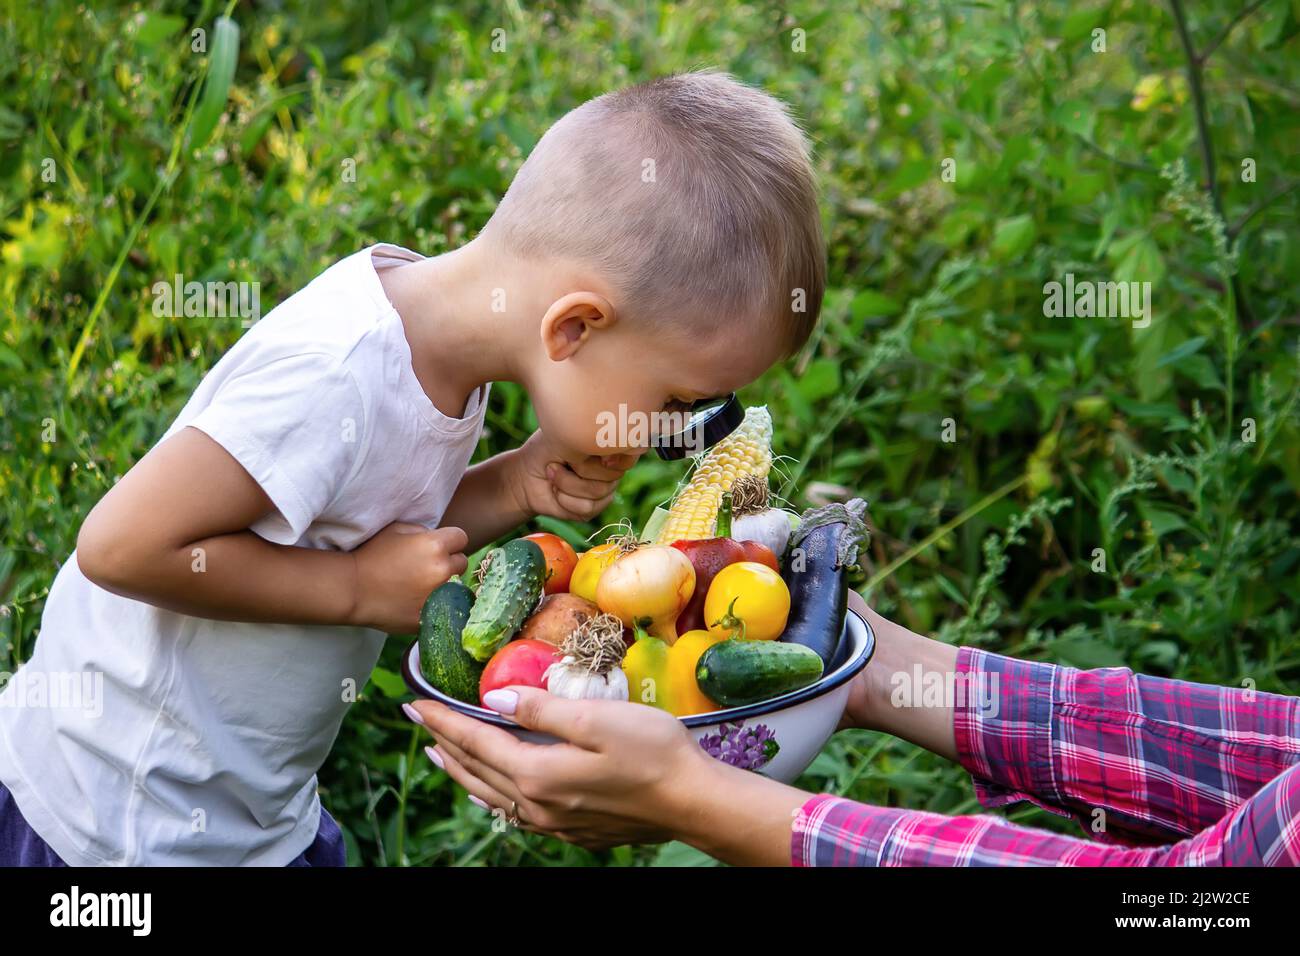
(1071, 434)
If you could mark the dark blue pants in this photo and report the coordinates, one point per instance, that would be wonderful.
(20, 845)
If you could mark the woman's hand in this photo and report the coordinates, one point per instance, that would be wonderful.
(627, 773)
(900, 656)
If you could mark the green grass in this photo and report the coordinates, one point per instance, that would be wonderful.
(1071, 435)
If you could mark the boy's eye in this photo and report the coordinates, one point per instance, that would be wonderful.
(677, 405)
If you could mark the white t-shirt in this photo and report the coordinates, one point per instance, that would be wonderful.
(137, 736)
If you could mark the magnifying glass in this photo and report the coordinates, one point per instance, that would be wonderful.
(710, 420)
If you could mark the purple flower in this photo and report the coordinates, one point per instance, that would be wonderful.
(749, 748)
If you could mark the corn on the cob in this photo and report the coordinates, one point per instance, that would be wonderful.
(746, 451)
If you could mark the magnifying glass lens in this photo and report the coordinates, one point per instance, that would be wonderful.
(710, 421)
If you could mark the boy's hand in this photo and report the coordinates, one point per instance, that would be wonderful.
(398, 568)
(550, 480)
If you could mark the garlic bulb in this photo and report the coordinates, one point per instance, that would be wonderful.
(770, 527)
(571, 679)
(591, 668)
(753, 520)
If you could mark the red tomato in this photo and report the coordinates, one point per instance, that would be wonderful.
(520, 663)
(757, 551)
(708, 557)
(561, 559)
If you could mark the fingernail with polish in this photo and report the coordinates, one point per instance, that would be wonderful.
(477, 802)
(413, 714)
(502, 701)
(435, 757)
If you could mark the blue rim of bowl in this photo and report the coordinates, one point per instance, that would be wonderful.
(845, 673)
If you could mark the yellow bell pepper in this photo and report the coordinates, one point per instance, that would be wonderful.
(591, 565)
(663, 676)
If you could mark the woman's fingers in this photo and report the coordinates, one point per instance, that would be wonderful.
(577, 721)
(500, 754)
(491, 745)
(481, 770)
(491, 799)
(475, 786)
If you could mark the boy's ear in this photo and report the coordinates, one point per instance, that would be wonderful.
(570, 319)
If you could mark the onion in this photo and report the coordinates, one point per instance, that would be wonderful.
(648, 587)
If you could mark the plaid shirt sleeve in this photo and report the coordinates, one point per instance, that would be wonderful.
(1135, 758)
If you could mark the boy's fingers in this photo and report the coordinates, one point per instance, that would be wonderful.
(451, 538)
(584, 508)
(571, 484)
(592, 468)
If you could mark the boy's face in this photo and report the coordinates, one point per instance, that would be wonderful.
(608, 396)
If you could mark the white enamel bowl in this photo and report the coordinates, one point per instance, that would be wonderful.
(778, 738)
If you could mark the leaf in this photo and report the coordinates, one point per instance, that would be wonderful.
(1140, 261)
(153, 28)
(908, 176)
(1112, 605)
(1199, 369)
(1086, 652)
(1190, 347)
(1013, 237)
(825, 765)
(820, 379)
(1162, 522)
(1159, 654)
(388, 683)
(869, 304)
(681, 854)
(1160, 412)
(1075, 116)
(1152, 382)
(216, 88)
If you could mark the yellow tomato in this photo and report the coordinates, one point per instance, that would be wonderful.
(683, 658)
(591, 565)
(748, 600)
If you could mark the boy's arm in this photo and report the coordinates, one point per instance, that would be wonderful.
(173, 533)
(537, 478)
(485, 504)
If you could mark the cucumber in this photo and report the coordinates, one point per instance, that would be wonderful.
(737, 672)
(443, 661)
(511, 586)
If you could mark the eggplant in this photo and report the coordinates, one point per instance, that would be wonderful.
(817, 562)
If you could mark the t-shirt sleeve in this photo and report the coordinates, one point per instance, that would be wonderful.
(296, 425)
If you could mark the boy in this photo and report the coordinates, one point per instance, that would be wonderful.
(660, 245)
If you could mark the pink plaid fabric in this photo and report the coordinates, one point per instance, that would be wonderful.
(1159, 773)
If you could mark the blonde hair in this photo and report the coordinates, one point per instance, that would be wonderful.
(693, 193)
